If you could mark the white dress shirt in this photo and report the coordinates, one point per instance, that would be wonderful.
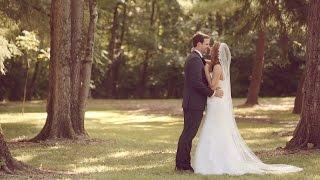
(199, 53)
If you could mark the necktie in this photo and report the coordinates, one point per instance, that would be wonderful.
(203, 61)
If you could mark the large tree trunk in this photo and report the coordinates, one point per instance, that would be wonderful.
(87, 63)
(69, 79)
(76, 50)
(141, 88)
(8, 164)
(298, 100)
(307, 131)
(257, 70)
(58, 123)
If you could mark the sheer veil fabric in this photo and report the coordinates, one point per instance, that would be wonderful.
(221, 149)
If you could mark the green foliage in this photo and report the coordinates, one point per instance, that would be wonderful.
(7, 51)
(225, 7)
(29, 44)
(28, 41)
(23, 53)
(2, 162)
(44, 54)
(168, 41)
(4, 53)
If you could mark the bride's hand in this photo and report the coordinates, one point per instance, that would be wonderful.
(218, 93)
(217, 88)
(208, 61)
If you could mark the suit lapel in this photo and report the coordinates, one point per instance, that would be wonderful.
(203, 61)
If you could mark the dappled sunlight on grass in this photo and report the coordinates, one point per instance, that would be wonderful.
(18, 117)
(135, 153)
(269, 108)
(260, 143)
(259, 131)
(125, 117)
(101, 168)
(138, 138)
(24, 158)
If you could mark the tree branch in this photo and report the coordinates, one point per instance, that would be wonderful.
(39, 9)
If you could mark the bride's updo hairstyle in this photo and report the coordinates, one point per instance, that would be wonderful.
(214, 53)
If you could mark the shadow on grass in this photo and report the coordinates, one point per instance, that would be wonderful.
(20, 130)
(134, 144)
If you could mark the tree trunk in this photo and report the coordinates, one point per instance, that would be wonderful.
(87, 63)
(119, 55)
(8, 164)
(25, 87)
(110, 79)
(257, 70)
(32, 84)
(307, 131)
(141, 88)
(170, 89)
(284, 44)
(171, 82)
(76, 44)
(2, 90)
(58, 123)
(298, 100)
(37, 71)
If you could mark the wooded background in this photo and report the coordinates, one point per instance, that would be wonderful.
(141, 46)
(65, 50)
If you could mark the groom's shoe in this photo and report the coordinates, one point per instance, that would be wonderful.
(184, 170)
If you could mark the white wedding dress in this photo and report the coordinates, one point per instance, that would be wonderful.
(221, 149)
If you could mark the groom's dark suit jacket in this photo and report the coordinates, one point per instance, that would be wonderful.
(196, 88)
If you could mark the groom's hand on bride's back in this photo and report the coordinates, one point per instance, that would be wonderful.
(218, 92)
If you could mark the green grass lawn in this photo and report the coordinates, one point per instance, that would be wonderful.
(136, 139)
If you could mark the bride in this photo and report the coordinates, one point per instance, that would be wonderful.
(221, 149)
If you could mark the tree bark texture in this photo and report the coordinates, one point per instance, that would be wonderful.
(307, 131)
(257, 70)
(58, 123)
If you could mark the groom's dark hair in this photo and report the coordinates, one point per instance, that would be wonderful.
(199, 37)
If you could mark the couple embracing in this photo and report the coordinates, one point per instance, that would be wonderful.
(221, 149)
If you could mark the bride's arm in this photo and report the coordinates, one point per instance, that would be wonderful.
(207, 68)
(216, 76)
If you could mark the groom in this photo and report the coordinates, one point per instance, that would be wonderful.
(195, 93)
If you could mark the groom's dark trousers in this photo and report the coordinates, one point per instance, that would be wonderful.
(192, 121)
(195, 95)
